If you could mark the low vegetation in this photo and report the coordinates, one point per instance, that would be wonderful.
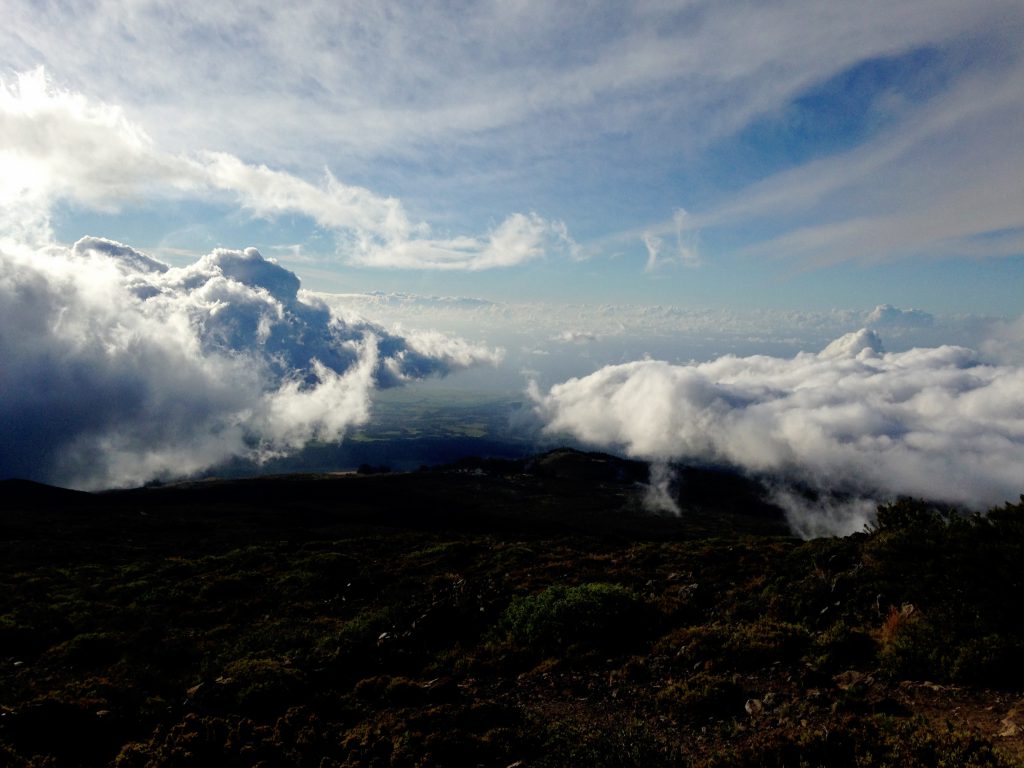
(189, 634)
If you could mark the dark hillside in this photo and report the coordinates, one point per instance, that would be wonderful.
(500, 612)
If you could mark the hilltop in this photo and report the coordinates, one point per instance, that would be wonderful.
(522, 612)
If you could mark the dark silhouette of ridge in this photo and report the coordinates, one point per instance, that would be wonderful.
(563, 490)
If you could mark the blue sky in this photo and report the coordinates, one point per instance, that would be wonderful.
(826, 154)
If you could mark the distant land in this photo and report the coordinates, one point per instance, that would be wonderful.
(414, 427)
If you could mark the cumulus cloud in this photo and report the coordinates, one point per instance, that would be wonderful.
(859, 344)
(59, 145)
(930, 422)
(118, 368)
(888, 316)
(424, 349)
(1005, 341)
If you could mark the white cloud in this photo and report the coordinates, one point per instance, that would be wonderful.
(58, 145)
(825, 514)
(457, 97)
(575, 337)
(451, 350)
(61, 146)
(1005, 341)
(888, 316)
(384, 78)
(518, 239)
(118, 369)
(660, 495)
(862, 344)
(332, 205)
(653, 244)
(685, 250)
(927, 422)
(488, 104)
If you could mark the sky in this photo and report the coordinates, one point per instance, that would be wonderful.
(300, 204)
(721, 154)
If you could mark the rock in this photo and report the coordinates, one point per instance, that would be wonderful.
(754, 707)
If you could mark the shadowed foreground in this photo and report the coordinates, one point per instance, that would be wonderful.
(500, 613)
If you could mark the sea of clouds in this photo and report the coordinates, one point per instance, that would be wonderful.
(835, 411)
(852, 424)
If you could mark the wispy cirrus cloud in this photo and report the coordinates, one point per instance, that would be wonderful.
(942, 180)
(682, 251)
(470, 111)
(409, 76)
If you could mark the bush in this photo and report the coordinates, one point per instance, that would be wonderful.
(90, 648)
(760, 643)
(595, 616)
(263, 686)
(909, 646)
(702, 695)
(742, 646)
(842, 647)
(912, 515)
(992, 660)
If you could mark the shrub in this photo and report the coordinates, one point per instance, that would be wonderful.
(595, 616)
(91, 648)
(263, 686)
(746, 645)
(909, 646)
(702, 695)
(842, 647)
(756, 644)
(992, 660)
(912, 515)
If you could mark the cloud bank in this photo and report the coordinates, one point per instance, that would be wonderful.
(935, 423)
(118, 369)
